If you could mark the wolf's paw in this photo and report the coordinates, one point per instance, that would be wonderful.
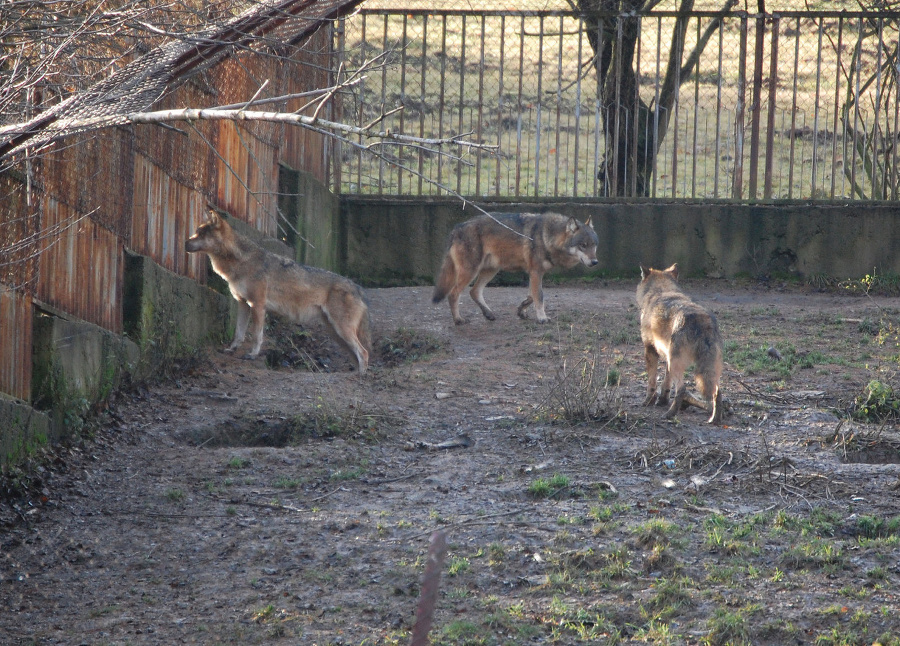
(490, 316)
(460, 321)
(662, 400)
(250, 356)
(650, 400)
(670, 414)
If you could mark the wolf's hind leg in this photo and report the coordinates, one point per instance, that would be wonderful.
(676, 401)
(716, 416)
(477, 291)
(651, 356)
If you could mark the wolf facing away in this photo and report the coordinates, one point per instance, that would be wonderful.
(682, 332)
(262, 281)
(529, 242)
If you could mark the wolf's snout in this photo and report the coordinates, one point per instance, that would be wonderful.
(189, 245)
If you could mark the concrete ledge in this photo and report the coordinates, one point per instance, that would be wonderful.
(24, 430)
(168, 315)
(75, 366)
(396, 240)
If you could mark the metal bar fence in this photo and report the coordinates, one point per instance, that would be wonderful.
(816, 93)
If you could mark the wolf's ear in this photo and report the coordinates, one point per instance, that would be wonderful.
(572, 225)
(644, 272)
(213, 217)
(590, 222)
(673, 270)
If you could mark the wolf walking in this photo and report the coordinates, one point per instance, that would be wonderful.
(529, 242)
(673, 326)
(262, 281)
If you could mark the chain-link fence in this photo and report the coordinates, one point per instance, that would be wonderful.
(787, 106)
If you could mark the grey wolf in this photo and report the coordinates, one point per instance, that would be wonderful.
(529, 242)
(263, 281)
(682, 332)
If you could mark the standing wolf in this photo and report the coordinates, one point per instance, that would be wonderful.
(529, 242)
(673, 326)
(261, 280)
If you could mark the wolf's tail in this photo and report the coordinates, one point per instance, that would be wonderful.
(364, 331)
(445, 280)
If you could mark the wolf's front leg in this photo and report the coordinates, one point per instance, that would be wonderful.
(676, 401)
(536, 295)
(259, 322)
(240, 329)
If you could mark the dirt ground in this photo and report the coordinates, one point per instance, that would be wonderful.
(243, 503)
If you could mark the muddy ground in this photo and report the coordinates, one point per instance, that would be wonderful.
(245, 503)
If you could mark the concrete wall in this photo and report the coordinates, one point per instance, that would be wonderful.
(23, 430)
(393, 241)
(311, 215)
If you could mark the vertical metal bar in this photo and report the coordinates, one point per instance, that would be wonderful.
(500, 106)
(793, 132)
(877, 186)
(755, 104)
(677, 107)
(577, 164)
(336, 54)
(637, 112)
(737, 182)
(894, 154)
(362, 114)
(559, 69)
(384, 47)
(718, 115)
(770, 127)
(540, 78)
(815, 141)
(656, 142)
(598, 107)
(480, 110)
(837, 105)
(462, 96)
(858, 73)
(442, 95)
(403, 58)
(520, 109)
(696, 121)
(614, 162)
(422, 101)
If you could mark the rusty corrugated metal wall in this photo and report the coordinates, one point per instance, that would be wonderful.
(145, 188)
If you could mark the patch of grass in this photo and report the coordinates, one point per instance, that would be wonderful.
(287, 483)
(347, 474)
(814, 554)
(175, 495)
(548, 487)
(458, 565)
(237, 462)
(727, 628)
(406, 345)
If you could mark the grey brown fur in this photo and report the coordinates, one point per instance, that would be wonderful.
(682, 332)
(529, 242)
(262, 281)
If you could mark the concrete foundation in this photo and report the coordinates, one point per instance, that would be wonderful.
(396, 241)
(24, 430)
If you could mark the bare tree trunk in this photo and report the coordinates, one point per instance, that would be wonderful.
(634, 130)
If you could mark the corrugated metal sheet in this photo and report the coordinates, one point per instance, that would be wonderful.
(166, 213)
(15, 343)
(80, 269)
